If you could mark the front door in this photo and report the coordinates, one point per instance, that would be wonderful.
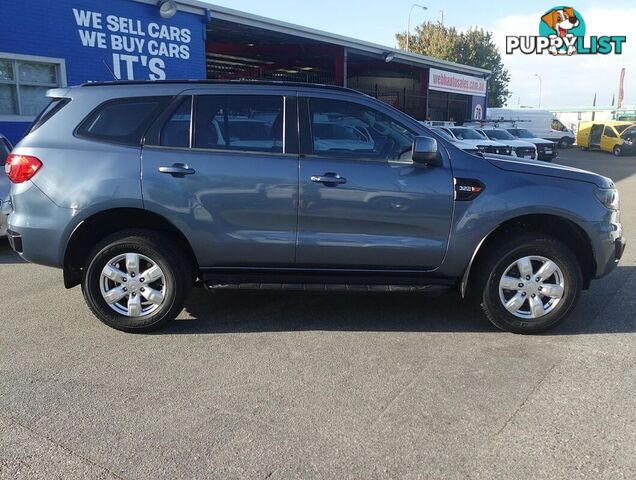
(363, 203)
(609, 139)
(226, 178)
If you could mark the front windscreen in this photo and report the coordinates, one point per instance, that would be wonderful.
(521, 133)
(499, 135)
(466, 133)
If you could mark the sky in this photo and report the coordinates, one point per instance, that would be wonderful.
(566, 81)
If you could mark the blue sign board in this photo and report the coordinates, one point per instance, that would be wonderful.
(100, 40)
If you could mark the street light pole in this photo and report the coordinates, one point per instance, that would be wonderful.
(408, 25)
(540, 87)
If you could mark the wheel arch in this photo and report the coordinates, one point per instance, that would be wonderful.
(558, 227)
(106, 222)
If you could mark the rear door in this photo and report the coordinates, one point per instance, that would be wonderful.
(363, 203)
(224, 169)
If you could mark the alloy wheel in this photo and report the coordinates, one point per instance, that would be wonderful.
(532, 287)
(133, 285)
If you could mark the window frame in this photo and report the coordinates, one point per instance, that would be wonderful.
(306, 136)
(290, 123)
(14, 58)
(609, 128)
(164, 101)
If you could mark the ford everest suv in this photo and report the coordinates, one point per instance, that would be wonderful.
(138, 190)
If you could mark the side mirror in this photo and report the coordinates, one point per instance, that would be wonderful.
(425, 152)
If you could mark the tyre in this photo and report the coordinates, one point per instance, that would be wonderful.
(136, 280)
(617, 151)
(528, 283)
(565, 143)
(584, 149)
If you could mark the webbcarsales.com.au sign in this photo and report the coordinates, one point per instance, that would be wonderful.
(456, 83)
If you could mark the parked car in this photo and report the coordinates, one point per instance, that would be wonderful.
(5, 149)
(612, 136)
(542, 123)
(546, 150)
(483, 144)
(518, 238)
(519, 147)
(465, 146)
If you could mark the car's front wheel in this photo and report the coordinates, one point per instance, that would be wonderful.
(136, 281)
(617, 151)
(528, 283)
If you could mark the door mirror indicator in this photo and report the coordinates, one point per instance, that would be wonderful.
(425, 152)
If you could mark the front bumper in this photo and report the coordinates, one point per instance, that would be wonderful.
(609, 246)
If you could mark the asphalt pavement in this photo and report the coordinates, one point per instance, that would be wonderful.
(286, 385)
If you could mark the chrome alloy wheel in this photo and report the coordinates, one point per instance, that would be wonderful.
(532, 287)
(133, 285)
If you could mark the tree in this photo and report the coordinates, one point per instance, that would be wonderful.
(474, 47)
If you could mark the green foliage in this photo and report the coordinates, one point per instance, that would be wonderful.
(474, 47)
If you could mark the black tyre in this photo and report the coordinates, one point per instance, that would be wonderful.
(528, 283)
(617, 151)
(136, 280)
(565, 143)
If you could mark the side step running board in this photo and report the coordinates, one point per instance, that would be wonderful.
(317, 287)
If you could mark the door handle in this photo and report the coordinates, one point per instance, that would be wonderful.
(328, 179)
(177, 170)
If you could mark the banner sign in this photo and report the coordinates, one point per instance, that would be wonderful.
(456, 83)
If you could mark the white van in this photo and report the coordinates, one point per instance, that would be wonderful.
(541, 123)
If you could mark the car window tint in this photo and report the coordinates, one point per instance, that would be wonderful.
(239, 122)
(176, 131)
(609, 132)
(346, 129)
(122, 121)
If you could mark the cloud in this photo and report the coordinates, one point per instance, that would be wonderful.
(570, 81)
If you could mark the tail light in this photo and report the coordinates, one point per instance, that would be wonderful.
(20, 168)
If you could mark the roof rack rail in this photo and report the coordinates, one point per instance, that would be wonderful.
(219, 82)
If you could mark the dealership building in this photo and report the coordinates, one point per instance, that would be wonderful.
(46, 44)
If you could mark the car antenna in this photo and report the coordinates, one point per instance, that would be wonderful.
(111, 71)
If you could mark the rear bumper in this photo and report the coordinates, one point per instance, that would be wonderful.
(34, 226)
(15, 241)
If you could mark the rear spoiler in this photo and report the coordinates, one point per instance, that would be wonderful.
(58, 92)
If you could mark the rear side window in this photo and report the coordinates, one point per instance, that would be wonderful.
(251, 123)
(122, 121)
(54, 106)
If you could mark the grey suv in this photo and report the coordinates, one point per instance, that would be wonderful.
(139, 190)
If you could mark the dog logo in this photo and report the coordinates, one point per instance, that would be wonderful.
(563, 22)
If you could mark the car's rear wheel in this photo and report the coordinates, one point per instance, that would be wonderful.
(617, 151)
(136, 281)
(528, 283)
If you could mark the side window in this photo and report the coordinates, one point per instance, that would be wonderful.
(345, 129)
(122, 121)
(608, 132)
(176, 131)
(557, 125)
(252, 123)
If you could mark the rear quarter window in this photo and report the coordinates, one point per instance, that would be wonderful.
(122, 121)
